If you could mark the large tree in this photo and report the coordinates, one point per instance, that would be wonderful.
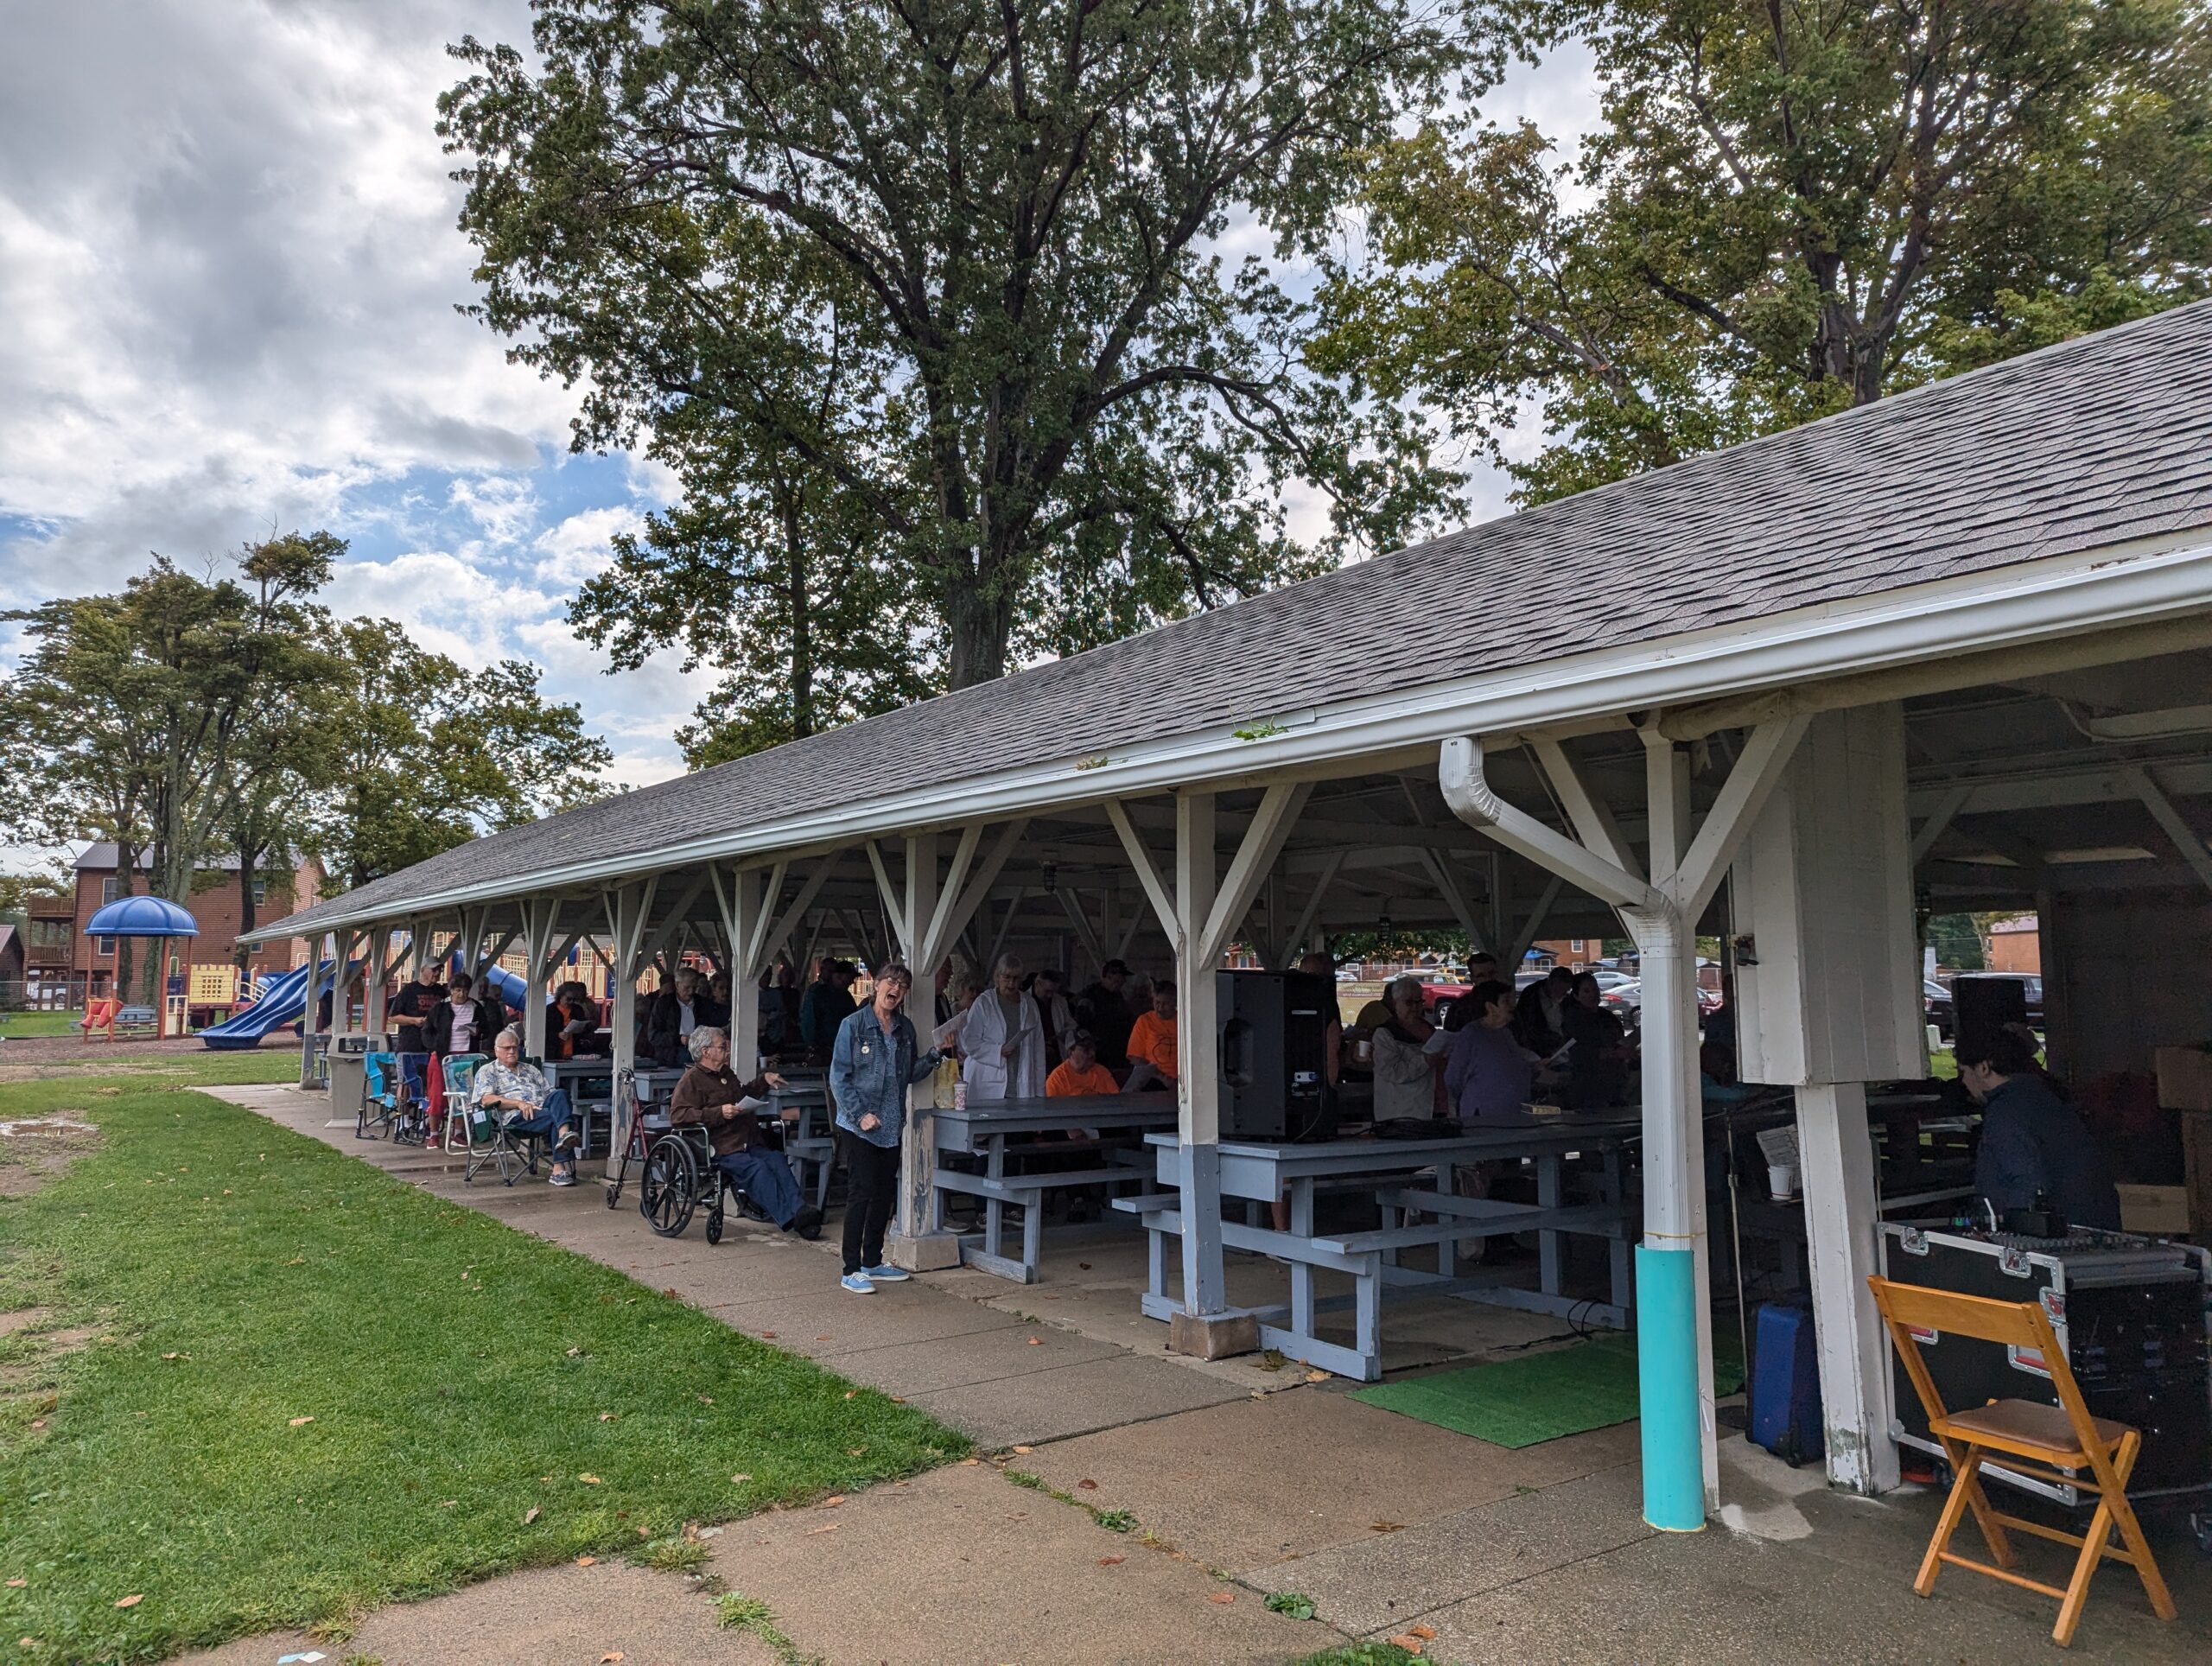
(1037, 202)
(1787, 209)
(771, 569)
(429, 755)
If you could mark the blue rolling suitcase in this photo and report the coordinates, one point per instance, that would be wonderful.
(1785, 1384)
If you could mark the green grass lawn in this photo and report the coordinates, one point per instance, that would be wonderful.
(309, 1388)
(39, 1023)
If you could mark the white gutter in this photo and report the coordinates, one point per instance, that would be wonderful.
(2012, 607)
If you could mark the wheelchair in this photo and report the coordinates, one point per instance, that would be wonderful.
(677, 1172)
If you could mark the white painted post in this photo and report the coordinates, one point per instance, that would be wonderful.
(913, 1244)
(626, 909)
(539, 916)
(372, 973)
(1841, 1231)
(749, 902)
(1198, 1057)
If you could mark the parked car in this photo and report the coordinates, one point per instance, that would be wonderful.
(1936, 1001)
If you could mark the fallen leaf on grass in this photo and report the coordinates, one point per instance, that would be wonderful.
(447, 1503)
(706, 1400)
(531, 1514)
(607, 1417)
(898, 1399)
(855, 1452)
(1425, 1633)
(296, 1421)
(17, 1584)
(1111, 1561)
(131, 1601)
(970, 1463)
(297, 1261)
(1025, 1449)
(176, 1355)
(849, 1393)
(572, 1352)
(586, 1561)
(740, 1480)
(588, 1480)
(38, 1423)
(1036, 1342)
(1088, 1486)
(1409, 1642)
(833, 1501)
(831, 1527)
(1223, 1597)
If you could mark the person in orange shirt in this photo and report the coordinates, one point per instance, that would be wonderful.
(1152, 1037)
(1080, 1072)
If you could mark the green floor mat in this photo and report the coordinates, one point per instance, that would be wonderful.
(1538, 1397)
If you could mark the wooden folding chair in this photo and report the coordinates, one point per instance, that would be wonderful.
(2027, 1438)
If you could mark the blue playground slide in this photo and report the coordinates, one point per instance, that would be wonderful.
(284, 1002)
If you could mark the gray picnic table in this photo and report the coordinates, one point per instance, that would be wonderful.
(1262, 1174)
(983, 1130)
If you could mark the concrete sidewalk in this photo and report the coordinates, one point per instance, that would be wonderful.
(1241, 1481)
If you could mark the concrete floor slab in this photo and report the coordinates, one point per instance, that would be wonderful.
(565, 1615)
(1717, 1598)
(1073, 1399)
(1247, 1483)
(914, 1368)
(962, 1567)
(897, 1314)
(1383, 1580)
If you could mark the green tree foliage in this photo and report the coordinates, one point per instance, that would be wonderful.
(1787, 209)
(1957, 942)
(187, 717)
(770, 568)
(427, 755)
(1090, 404)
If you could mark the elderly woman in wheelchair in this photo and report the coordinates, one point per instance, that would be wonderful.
(516, 1094)
(710, 1096)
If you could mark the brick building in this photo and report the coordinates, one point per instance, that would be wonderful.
(64, 967)
(2016, 944)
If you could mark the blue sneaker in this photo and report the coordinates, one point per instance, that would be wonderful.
(886, 1275)
(858, 1284)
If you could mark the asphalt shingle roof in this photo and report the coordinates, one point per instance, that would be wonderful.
(2079, 446)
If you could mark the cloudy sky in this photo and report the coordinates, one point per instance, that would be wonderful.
(228, 272)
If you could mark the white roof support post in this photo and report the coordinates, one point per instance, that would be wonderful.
(1301, 925)
(1681, 1452)
(965, 890)
(541, 922)
(1190, 906)
(1832, 1002)
(745, 905)
(372, 977)
(918, 1240)
(627, 910)
(1455, 898)
(1083, 932)
(1674, 1308)
(2186, 838)
(1147, 871)
(1939, 820)
(1248, 869)
(678, 917)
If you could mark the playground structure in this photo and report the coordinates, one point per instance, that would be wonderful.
(284, 1000)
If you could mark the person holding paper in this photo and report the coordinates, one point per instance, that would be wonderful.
(1488, 1074)
(710, 1096)
(1003, 1040)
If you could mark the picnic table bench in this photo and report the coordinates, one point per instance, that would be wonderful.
(994, 1129)
(1388, 1169)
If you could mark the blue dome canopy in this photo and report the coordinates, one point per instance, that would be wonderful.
(142, 917)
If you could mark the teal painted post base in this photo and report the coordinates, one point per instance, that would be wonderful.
(1667, 1376)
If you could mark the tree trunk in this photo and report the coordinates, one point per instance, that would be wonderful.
(126, 884)
(802, 619)
(979, 620)
(249, 860)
